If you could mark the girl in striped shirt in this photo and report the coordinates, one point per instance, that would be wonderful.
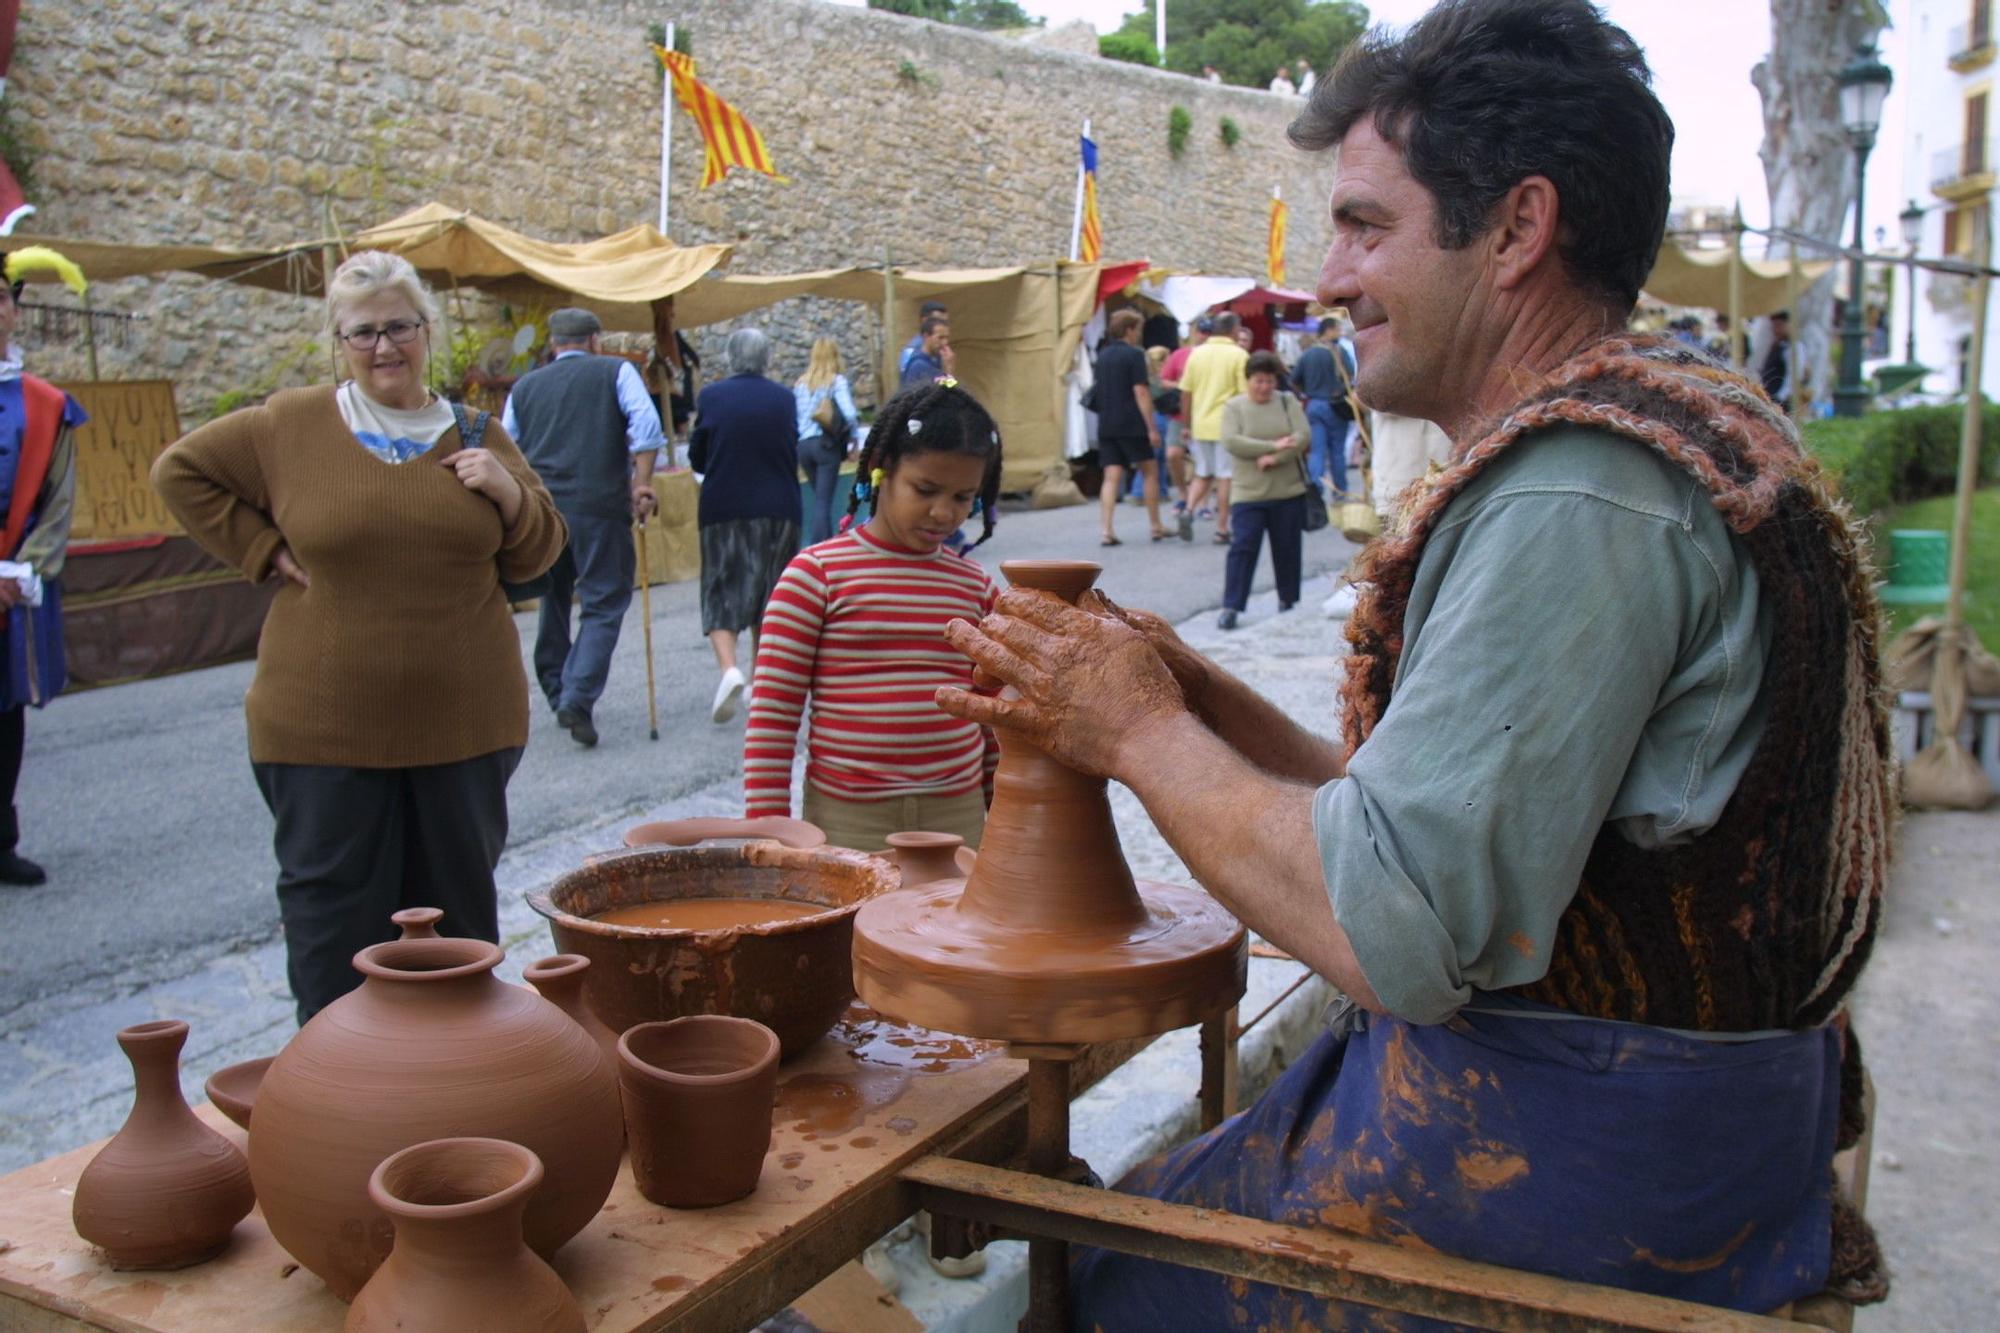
(857, 625)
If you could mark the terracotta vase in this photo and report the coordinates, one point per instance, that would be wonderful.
(418, 923)
(923, 857)
(167, 1190)
(459, 1260)
(431, 1045)
(559, 979)
(698, 1094)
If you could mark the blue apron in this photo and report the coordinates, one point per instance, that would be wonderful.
(1518, 1135)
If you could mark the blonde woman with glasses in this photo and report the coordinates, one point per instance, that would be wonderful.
(389, 706)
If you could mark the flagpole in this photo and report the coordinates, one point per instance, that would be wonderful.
(1076, 221)
(1160, 28)
(666, 129)
(1269, 230)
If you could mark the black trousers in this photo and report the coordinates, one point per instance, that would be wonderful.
(13, 734)
(355, 844)
(1285, 520)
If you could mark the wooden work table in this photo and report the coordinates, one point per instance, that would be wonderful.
(863, 1104)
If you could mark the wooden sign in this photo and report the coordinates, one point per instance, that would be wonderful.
(131, 422)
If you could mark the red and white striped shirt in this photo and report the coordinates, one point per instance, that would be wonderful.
(858, 625)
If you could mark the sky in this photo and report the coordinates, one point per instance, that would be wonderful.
(1701, 52)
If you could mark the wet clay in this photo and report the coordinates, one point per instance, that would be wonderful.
(560, 981)
(794, 975)
(167, 1190)
(688, 832)
(431, 1044)
(232, 1089)
(459, 1260)
(698, 1093)
(1048, 938)
(708, 913)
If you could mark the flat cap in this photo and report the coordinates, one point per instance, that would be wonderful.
(570, 322)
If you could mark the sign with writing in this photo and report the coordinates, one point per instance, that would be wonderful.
(131, 422)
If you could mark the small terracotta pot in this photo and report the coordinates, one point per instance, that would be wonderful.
(559, 979)
(459, 1260)
(924, 857)
(698, 1093)
(167, 1190)
(418, 923)
(690, 832)
(232, 1089)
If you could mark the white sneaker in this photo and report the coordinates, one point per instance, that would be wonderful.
(727, 695)
(1341, 605)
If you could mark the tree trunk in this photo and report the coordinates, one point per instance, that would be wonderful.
(1808, 160)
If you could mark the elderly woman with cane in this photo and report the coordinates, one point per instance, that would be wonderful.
(389, 706)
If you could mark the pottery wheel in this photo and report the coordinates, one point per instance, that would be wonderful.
(1050, 939)
(919, 959)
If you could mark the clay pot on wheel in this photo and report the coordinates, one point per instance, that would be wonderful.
(924, 857)
(698, 1093)
(431, 1045)
(418, 923)
(167, 1190)
(459, 1260)
(559, 980)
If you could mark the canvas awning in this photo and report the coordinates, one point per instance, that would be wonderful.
(1700, 278)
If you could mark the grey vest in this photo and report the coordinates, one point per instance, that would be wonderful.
(573, 433)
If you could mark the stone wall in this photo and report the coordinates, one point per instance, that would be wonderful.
(248, 125)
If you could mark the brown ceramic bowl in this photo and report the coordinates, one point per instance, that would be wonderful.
(232, 1089)
(794, 976)
(689, 832)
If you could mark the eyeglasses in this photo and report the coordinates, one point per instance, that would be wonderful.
(401, 332)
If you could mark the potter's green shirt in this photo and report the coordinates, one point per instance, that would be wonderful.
(1582, 646)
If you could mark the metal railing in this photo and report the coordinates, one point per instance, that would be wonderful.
(1960, 162)
(1969, 39)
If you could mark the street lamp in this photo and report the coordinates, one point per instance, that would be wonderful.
(1864, 86)
(1912, 219)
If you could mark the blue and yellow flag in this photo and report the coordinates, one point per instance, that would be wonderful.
(1090, 242)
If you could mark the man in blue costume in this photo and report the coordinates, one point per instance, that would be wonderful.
(1601, 850)
(37, 497)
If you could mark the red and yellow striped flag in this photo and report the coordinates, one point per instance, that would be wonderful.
(1090, 240)
(727, 138)
(1275, 258)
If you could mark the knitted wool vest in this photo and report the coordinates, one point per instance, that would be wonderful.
(1765, 920)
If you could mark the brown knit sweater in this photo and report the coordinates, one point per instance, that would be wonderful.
(402, 653)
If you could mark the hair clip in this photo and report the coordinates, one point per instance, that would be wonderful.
(947, 381)
(915, 425)
(846, 524)
(996, 437)
(876, 478)
(978, 507)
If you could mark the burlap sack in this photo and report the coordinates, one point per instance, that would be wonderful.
(1056, 489)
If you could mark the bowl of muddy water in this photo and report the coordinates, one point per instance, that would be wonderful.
(754, 930)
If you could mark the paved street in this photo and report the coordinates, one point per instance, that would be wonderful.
(139, 801)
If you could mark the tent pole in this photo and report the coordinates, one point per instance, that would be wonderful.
(1968, 451)
(1076, 218)
(891, 342)
(1791, 299)
(90, 338)
(1736, 339)
(666, 130)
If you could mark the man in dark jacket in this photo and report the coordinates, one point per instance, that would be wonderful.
(1324, 382)
(591, 432)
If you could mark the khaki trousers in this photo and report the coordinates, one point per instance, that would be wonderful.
(865, 826)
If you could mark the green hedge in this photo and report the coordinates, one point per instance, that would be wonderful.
(1892, 457)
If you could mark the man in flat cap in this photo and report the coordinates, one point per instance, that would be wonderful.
(590, 430)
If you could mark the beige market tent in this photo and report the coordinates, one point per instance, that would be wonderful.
(1701, 278)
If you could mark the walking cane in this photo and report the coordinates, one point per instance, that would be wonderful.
(646, 613)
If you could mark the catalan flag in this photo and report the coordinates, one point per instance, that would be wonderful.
(728, 139)
(1090, 238)
(1274, 260)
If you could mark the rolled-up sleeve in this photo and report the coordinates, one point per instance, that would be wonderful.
(1456, 840)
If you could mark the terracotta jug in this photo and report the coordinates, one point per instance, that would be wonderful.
(418, 923)
(559, 979)
(698, 1093)
(924, 857)
(459, 1260)
(167, 1190)
(431, 1045)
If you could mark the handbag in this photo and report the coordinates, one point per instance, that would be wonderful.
(469, 434)
(1316, 515)
(832, 422)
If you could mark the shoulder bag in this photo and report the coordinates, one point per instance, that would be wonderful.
(1316, 515)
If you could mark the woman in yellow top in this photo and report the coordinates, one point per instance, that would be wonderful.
(1265, 433)
(389, 707)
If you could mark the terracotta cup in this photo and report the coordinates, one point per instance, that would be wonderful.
(459, 1260)
(698, 1093)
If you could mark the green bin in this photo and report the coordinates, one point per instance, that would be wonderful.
(1919, 563)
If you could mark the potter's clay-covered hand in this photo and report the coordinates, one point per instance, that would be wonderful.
(1189, 668)
(1085, 683)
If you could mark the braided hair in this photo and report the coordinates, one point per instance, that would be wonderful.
(938, 417)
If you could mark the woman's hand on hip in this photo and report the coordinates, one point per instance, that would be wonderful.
(288, 568)
(483, 474)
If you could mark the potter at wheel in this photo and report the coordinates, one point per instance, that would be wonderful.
(1049, 939)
